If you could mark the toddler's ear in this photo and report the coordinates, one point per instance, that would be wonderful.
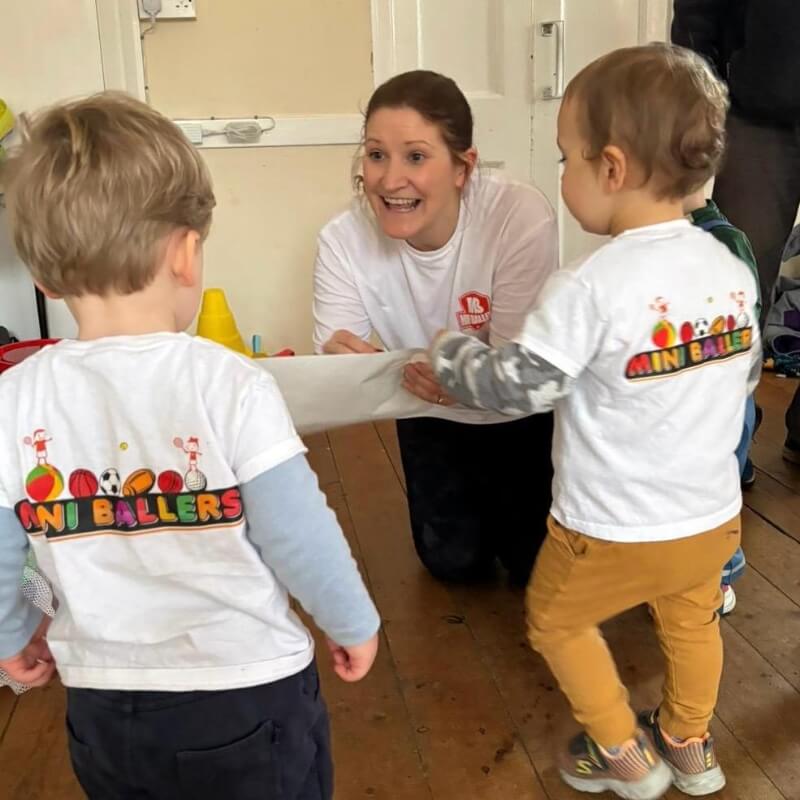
(614, 167)
(182, 253)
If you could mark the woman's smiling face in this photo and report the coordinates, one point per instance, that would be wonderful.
(411, 179)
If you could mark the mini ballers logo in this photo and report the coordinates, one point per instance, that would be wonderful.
(475, 311)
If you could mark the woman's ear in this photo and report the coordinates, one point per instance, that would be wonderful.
(468, 160)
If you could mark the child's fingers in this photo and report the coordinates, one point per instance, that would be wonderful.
(41, 674)
(36, 673)
(349, 672)
(40, 650)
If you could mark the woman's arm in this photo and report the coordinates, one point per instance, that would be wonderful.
(340, 319)
(528, 256)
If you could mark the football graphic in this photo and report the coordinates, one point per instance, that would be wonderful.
(110, 482)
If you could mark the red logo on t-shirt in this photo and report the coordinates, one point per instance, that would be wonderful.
(475, 311)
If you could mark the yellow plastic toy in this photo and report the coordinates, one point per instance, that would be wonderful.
(6, 123)
(216, 322)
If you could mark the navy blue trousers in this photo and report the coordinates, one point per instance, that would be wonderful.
(477, 493)
(268, 742)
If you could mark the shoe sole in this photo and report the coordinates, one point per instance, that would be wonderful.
(652, 787)
(723, 612)
(708, 782)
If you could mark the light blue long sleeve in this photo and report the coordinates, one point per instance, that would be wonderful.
(299, 539)
(18, 618)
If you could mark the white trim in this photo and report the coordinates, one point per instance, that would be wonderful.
(289, 131)
(121, 46)
(654, 20)
(384, 62)
(396, 37)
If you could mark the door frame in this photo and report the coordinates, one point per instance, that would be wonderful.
(395, 48)
(121, 46)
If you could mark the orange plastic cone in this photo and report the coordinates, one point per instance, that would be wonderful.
(216, 322)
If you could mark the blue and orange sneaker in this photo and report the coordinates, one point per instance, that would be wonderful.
(693, 762)
(633, 770)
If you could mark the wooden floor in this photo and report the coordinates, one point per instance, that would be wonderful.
(457, 707)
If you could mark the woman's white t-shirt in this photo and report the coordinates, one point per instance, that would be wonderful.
(483, 281)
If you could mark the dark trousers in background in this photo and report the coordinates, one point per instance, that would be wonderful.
(758, 189)
(268, 742)
(477, 492)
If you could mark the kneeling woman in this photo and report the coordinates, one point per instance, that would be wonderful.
(435, 243)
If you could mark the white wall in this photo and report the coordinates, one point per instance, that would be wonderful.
(282, 57)
(50, 50)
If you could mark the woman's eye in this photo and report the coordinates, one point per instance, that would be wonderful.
(374, 155)
(417, 157)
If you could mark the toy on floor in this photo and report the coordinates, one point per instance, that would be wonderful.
(15, 352)
(216, 322)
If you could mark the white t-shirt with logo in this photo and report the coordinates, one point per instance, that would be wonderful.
(122, 459)
(483, 281)
(657, 327)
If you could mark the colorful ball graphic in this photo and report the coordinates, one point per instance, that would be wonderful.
(82, 483)
(743, 320)
(731, 322)
(44, 482)
(663, 334)
(138, 482)
(718, 326)
(195, 480)
(170, 482)
(687, 332)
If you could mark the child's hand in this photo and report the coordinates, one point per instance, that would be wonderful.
(34, 665)
(353, 663)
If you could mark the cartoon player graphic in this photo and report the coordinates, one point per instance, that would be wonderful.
(663, 334)
(742, 318)
(661, 305)
(44, 482)
(194, 478)
(39, 444)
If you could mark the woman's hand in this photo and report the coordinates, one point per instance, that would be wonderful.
(420, 379)
(346, 342)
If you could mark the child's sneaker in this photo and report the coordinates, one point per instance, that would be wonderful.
(633, 770)
(748, 477)
(728, 600)
(693, 761)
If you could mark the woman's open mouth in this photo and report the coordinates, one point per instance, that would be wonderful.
(402, 205)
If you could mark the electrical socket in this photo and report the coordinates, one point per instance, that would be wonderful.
(171, 9)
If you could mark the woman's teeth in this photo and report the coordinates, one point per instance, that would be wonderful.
(400, 203)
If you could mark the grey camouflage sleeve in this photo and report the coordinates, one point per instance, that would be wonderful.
(511, 379)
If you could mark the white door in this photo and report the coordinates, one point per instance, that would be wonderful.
(484, 45)
(568, 34)
(54, 50)
(512, 70)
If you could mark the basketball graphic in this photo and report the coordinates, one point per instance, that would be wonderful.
(718, 326)
(82, 483)
(687, 332)
(44, 482)
(170, 482)
(139, 482)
